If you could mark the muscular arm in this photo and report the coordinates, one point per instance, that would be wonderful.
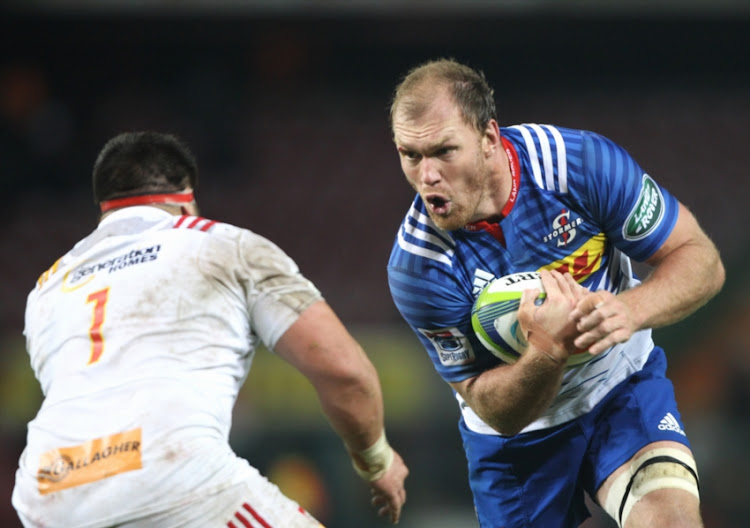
(319, 346)
(345, 380)
(687, 272)
(510, 397)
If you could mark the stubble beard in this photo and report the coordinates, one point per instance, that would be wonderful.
(465, 211)
(455, 219)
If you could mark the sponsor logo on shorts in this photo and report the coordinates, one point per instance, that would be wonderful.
(647, 213)
(97, 459)
(670, 423)
(451, 345)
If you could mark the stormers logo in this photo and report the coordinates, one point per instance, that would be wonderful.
(647, 213)
(564, 229)
(584, 261)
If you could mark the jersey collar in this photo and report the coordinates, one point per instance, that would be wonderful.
(139, 211)
(515, 173)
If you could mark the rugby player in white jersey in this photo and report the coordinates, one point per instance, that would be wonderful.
(575, 207)
(141, 337)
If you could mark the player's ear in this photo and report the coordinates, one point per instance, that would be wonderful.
(491, 137)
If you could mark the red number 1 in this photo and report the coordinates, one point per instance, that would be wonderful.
(99, 298)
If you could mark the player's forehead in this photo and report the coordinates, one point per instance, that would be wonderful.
(431, 120)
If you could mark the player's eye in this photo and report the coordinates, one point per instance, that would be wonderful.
(444, 151)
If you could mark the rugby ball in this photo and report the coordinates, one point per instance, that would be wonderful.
(494, 316)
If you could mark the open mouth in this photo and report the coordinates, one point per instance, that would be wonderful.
(437, 204)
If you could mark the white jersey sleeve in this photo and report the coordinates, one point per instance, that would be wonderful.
(277, 292)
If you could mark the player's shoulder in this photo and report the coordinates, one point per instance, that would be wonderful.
(227, 248)
(556, 139)
(243, 240)
(219, 231)
(558, 154)
(209, 240)
(210, 230)
(197, 224)
(557, 157)
(420, 243)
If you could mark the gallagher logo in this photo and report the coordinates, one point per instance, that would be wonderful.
(584, 261)
(564, 229)
(67, 467)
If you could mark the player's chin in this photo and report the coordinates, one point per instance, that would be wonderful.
(448, 221)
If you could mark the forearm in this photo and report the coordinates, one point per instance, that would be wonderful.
(510, 397)
(353, 405)
(343, 377)
(318, 345)
(683, 281)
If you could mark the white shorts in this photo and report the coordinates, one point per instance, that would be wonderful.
(254, 503)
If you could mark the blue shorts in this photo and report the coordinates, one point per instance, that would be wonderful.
(538, 479)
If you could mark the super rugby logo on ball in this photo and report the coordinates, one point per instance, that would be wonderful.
(494, 316)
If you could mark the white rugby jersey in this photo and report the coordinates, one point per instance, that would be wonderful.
(579, 204)
(141, 337)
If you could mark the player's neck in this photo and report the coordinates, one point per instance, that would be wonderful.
(173, 209)
(509, 177)
(502, 187)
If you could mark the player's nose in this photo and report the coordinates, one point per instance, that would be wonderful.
(429, 173)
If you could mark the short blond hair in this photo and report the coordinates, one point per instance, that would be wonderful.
(467, 87)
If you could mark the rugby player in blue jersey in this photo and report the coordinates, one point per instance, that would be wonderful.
(576, 207)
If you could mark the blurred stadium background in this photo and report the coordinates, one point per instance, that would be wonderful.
(285, 104)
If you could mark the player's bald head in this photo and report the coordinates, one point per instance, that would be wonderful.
(467, 88)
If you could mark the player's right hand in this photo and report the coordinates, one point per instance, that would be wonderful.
(548, 326)
(388, 492)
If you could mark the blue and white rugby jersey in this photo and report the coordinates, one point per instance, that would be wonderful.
(583, 206)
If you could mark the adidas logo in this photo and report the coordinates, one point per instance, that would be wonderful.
(481, 278)
(670, 423)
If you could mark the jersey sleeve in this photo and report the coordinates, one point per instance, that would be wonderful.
(634, 211)
(435, 309)
(275, 289)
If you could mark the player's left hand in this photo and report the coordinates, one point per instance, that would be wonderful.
(388, 492)
(603, 320)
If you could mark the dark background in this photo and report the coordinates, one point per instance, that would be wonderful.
(285, 106)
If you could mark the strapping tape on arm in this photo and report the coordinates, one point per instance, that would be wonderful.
(373, 462)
